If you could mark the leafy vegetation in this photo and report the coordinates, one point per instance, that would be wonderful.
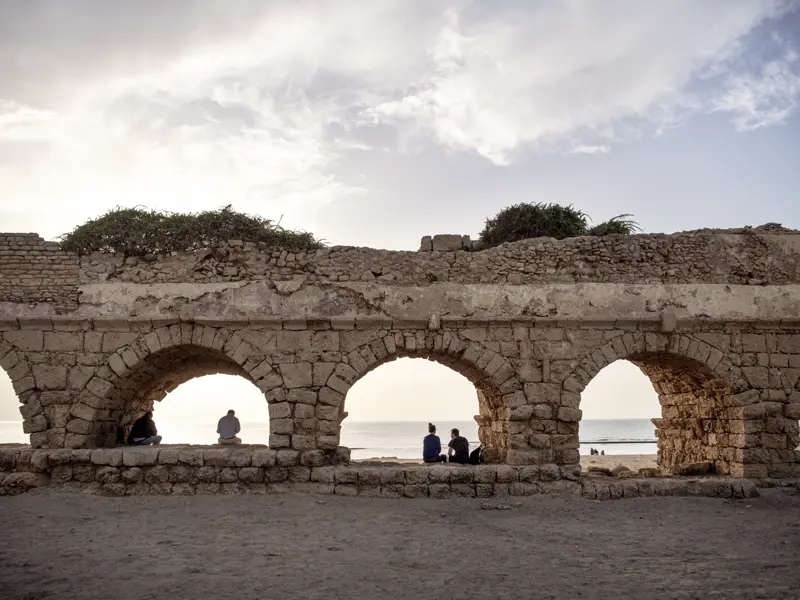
(139, 231)
(524, 221)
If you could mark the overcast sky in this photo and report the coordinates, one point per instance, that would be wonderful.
(380, 121)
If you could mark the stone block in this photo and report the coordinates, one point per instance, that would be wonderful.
(132, 474)
(50, 377)
(181, 473)
(313, 458)
(345, 490)
(507, 474)
(439, 491)
(369, 477)
(416, 475)
(304, 411)
(106, 474)
(461, 475)
(26, 340)
(299, 474)
(287, 458)
(305, 442)
(280, 410)
(301, 396)
(328, 442)
(140, 457)
(330, 397)
(157, 474)
(392, 475)
(110, 456)
(264, 458)
(279, 441)
(323, 474)
(296, 375)
(569, 414)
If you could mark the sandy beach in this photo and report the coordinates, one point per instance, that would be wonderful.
(62, 545)
(632, 461)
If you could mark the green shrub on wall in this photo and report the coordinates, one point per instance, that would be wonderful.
(139, 231)
(524, 221)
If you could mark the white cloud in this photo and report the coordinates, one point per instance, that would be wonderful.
(765, 98)
(574, 69)
(584, 149)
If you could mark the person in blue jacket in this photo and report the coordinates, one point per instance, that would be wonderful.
(432, 447)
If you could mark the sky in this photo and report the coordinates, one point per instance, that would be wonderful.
(375, 123)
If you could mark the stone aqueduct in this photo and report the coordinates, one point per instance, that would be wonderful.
(713, 318)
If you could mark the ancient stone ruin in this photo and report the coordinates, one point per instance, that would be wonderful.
(713, 318)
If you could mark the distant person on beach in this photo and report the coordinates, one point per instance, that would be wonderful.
(144, 432)
(602, 452)
(227, 428)
(432, 447)
(458, 448)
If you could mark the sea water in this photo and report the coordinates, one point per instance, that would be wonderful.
(398, 439)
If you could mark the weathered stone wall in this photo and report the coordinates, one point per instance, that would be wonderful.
(730, 392)
(713, 319)
(749, 259)
(33, 271)
(190, 471)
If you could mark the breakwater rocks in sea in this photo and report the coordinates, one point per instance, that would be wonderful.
(191, 470)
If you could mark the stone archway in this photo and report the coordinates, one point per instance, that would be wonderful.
(492, 375)
(702, 395)
(135, 376)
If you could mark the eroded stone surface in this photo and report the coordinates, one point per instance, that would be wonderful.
(713, 319)
(188, 471)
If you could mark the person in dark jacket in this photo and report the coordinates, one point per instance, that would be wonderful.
(458, 448)
(144, 432)
(432, 447)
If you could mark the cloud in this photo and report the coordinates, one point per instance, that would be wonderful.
(579, 69)
(199, 103)
(765, 98)
(584, 149)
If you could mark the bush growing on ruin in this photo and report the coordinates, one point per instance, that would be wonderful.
(140, 231)
(526, 220)
(619, 225)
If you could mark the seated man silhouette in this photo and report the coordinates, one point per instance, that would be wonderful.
(458, 448)
(432, 447)
(227, 428)
(144, 432)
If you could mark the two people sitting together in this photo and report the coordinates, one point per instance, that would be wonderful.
(457, 449)
(144, 432)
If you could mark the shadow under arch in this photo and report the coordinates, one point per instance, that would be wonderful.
(702, 416)
(137, 375)
(492, 375)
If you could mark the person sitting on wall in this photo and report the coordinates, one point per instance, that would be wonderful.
(227, 428)
(478, 455)
(144, 432)
(432, 447)
(458, 448)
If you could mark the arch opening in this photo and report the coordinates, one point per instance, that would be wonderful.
(697, 422)
(388, 409)
(492, 376)
(618, 406)
(11, 423)
(160, 374)
(189, 413)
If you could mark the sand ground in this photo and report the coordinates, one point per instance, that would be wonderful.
(632, 461)
(72, 546)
